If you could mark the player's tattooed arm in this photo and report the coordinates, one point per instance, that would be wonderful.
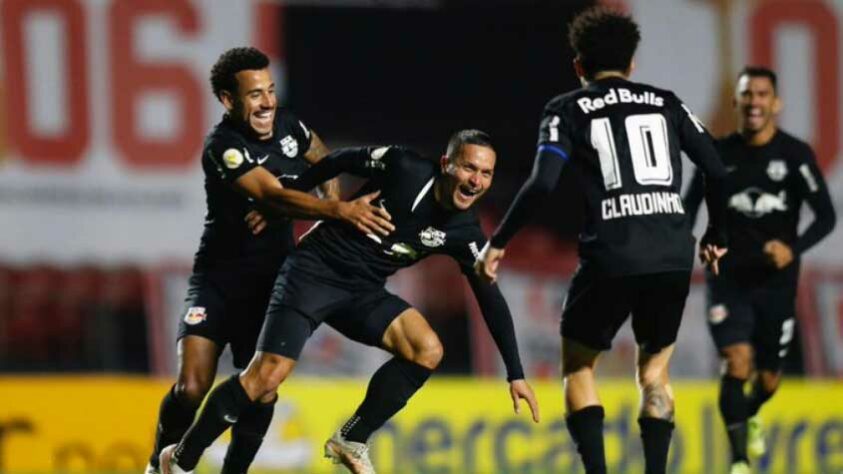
(656, 402)
(330, 189)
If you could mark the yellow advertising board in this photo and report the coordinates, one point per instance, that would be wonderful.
(90, 425)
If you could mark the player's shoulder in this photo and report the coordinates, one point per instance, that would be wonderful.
(224, 135)
(730, 141)
(794, 147)
(403, 157)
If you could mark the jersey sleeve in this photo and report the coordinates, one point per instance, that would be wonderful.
(696, 142)
(694, 196)
(227, 158)
(366, 162)
(812, 187)
(492, 304)
(554, 129)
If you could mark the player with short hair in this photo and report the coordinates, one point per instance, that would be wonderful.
(254, 149)
(337, 276)
(752, 304)
(623, 141)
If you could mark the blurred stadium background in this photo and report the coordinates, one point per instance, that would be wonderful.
(103, 108)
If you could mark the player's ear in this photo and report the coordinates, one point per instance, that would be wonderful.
(777, 104)
(227, 100)
(578, 67)
(443, 163)
(631, 68)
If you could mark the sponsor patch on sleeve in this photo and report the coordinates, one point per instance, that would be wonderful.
(717, 314)
(195, 315)
(232, 158)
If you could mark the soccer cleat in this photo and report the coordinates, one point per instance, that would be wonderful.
(756, 445)
(150, 469)
(168, 463)
(740, 468)
(353, 455)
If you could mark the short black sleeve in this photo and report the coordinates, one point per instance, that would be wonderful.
(554, 129)
(226, 157)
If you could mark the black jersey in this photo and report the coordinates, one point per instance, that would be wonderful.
(230, 153)
(623, 140)
(422, 226)
(765, 191)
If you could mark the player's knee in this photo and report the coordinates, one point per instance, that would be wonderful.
(429, 353)
(272, 371)
(738, 366)
(192, 390)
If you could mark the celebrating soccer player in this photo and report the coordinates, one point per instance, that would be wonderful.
(752, 305)
(247, 156)
(623, 140)
(337, 276)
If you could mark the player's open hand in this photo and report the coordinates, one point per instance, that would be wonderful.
(779, 253)
(520, 389)
(487, 263)
(710, 255)
(367, 218)
(256, 222)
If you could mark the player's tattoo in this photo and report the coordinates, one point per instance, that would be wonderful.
(656, 402)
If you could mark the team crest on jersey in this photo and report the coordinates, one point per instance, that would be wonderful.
(754, 202)
(232, 158)
(195, 315)
(289, 146)
(777, 170)
(431, 237)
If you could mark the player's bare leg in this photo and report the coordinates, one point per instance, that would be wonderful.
(584, 412)
(657, 407)
(197, 367)
(737, 368)
(418, 352)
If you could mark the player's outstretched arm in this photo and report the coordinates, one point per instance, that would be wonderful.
(261, 185)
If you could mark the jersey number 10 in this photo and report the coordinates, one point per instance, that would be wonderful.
(649, 150)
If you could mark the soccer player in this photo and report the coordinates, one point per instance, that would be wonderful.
(752, 304)
(623, 141)
(247, 156)
(337, 276)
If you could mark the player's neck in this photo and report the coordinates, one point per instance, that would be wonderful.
(761, 137)
(605, 75)
(438, 195)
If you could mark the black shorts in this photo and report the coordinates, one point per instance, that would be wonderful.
(597, 306)
(761, 316)
(228, 306)
(301, 301)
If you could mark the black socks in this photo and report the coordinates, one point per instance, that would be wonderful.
(389, 389)
(246, 437)
(222, 409)
(655, 434)
(586, 429)
(174, 418)
(733, 408)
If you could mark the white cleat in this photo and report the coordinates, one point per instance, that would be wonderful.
(353, 455)
(150, 469)
(168, 463)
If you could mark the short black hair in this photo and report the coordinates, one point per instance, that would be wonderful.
(230, 63)
(467, 137)
(760, 71)
(604, 40)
